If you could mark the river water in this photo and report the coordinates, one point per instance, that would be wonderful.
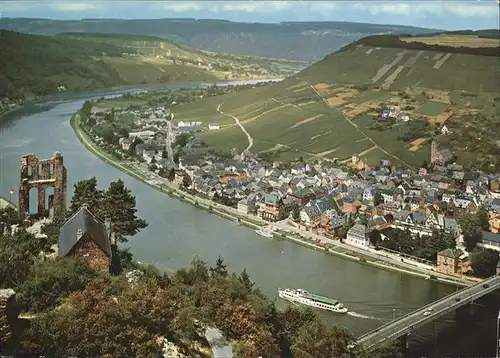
(177, 232)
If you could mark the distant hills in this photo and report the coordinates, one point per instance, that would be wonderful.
(332, 109)
(308, 41)
(32, 65)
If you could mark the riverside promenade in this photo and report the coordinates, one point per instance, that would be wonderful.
(285, 231)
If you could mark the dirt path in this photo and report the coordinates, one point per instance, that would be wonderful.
(250, 139)
(357, 128)
(287, 104)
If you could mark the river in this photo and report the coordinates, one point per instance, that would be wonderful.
(177, 232)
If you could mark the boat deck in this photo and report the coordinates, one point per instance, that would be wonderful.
(322, 299)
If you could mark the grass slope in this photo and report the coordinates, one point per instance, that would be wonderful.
(165, 49)
(326, 111)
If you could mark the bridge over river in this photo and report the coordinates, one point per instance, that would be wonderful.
(404, 325)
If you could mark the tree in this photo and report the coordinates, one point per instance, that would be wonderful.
(9, 216)
(120, 207)
(296, 213)
(186, 181)
(181, 140)
(471, 230)
(315, 339)
(176, 157)
(483, 218)
(108, 135)
(86, 192)
(244, 278)
(375, 237)
(104, 321)
(18, 252)
(484, 262)
(123, 132)
(171, 174)
(50, 282)
(220, 269)
(377, 198)
(164, 153)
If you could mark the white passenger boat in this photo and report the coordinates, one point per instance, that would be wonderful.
(265, 233)
(303, 297)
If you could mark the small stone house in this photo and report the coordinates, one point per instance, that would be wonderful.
(86, 237)
(448, 260)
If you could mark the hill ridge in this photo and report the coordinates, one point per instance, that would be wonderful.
(332, 110)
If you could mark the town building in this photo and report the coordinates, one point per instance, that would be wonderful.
(448, 261)
(357, 236)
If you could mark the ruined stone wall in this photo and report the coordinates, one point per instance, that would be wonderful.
(7, 313)
(88, 251)
(42, 174)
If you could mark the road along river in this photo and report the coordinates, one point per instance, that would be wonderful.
(177, 231)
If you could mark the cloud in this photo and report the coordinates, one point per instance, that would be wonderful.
(254, 6)
(323, 7)
(14, 7)
(73, 6)
(425, 9)
(183, 6)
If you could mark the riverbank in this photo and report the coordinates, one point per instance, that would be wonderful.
(221, 82)
(338, 249)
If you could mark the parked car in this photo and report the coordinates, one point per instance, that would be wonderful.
(486, 285)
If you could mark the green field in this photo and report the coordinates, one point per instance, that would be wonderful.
(431, 108)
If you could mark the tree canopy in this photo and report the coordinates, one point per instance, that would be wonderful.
(471, 229)
(116, 204)
(484, 262)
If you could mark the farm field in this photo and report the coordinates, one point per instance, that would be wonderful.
(455, 40)
(431, 108)
(327, 111)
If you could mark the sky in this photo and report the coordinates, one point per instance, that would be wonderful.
(447, 14)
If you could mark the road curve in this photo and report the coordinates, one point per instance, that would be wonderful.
(250, 139)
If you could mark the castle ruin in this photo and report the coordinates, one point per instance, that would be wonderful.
(42, 174)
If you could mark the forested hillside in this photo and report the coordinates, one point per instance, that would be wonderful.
(33, 65)
(309, 41)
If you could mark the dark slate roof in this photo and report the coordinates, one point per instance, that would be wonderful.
(83, 220)
(490, 236)
(336, 221)
(451, 253)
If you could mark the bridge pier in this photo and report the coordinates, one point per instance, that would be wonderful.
(463, 314)
(404, 345)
